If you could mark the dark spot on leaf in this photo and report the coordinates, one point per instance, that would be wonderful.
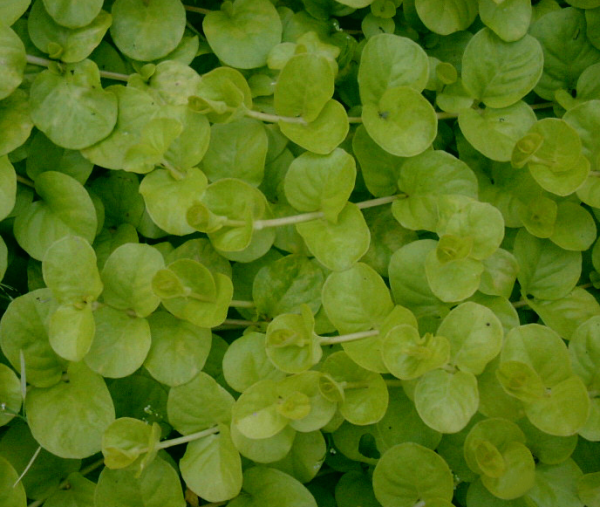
(487, 324)
(384, 115)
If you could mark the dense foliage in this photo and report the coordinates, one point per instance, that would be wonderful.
(293, 253)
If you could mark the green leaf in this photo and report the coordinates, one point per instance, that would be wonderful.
(321, 182)
(520, 380)
(443, 17)
(475, 336)
(585, 119)
(8, 187)
(540, 348)
(565, 315)
(211, 467)
(539, 216)
(409, 473)
(323, 134)
(584, 351)
(44, 155)
(409, 356)
(500, 73)
(423, 179)
(264, 450)
(389, 61)
(452, 275)
(296, 96)
(80, 493)
(284, 285)
(566, 55)
(69, 268)
(158, 486)
(365, 393)
(547, 449)
(232, 34)
(15, 121)
(237, 150)
(494, 132)
(402, 122)
(556, 485)
(69, 418)
(354, 488)
(13, 57)
(500, 274)
(71, 13)
(147, 31)
(509, 19)
(127, 277)
(71, 331)
(340, 245)
(447, 401)
(291, 343)
(379, 169)
(267, 486)
(225, 92)
(588, 489)
(246, 362)
(120, 345)
(356, 299)
(179, 349)
(23, 330)
(255, 412)
(70, 45)
(127, 440)
(191, 292)
(11, 12)
(74, 94)
(198, 405)
(305, 458)
(168, 199)
(10, 394)
(12, 492)
(546, 270)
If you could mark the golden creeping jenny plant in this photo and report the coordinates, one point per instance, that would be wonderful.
(299, 253)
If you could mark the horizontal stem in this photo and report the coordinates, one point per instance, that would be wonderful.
(187, 438)
(543, 105)
(236, 323)
(242, 304)
(25, 181)
(199, 10)
(344, 338)
(44, 62)
(273, 118)
(314, 215)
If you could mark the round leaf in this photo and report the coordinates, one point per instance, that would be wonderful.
(198, 405)
(447, 401)
(71, 331)
(69, 418)
(12, 492)
(10, 394)
(120, 345)
(408, 473)
(500, 73)
(147, 31)
(74, 94)
(15, 121)
(337, 246)
(402, 122)
(73, 13)
(232, 33)
(323, 134)
(388, 61)
(13, 58)
(127, 277)
(179, 349)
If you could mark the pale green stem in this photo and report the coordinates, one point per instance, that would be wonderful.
(520, 304)
(64, 484)
(242, 304)
(25, 181)
(198, 10)
(187, 438)
(354, 119)
(543, 105)
(44, 62)
(595, 174)
(393, 382)
(273, 118)
(29, 465)
(525, 302)
(238, 323)
(344, 338)
(314, 215)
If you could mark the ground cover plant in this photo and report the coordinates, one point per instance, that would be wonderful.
(299, 253)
